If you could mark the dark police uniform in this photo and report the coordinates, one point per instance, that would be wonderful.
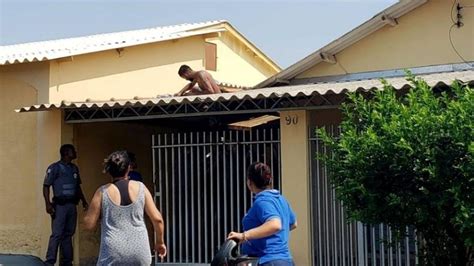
(65, 179)
(136, 176)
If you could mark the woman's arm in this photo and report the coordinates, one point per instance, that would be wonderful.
(158, 223)
(93, 212)
(269, 228)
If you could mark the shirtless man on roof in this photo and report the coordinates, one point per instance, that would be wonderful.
(206, 84)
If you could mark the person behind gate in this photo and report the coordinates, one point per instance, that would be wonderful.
(134, 174)
(268, 222)
(64, 177)
(122, 203)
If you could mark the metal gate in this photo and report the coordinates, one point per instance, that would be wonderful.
(200, 182)
(336, 242)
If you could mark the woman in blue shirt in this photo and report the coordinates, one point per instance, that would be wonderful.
(268, 222)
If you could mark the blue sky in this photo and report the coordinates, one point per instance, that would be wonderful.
(286, 30)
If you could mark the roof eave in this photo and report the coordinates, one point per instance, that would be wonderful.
(205, 29)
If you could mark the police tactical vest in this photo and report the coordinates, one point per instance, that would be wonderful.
(66, 183)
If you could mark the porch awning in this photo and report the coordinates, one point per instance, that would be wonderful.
(310, 96)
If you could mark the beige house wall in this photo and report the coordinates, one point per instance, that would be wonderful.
(236, 64)
(419, 39)
(138, 71)
(150, 70)
(295, 164)
(35, 75)
(51, 134)
(29, 142)
(20, 189)
(295, 180)
(22, 149)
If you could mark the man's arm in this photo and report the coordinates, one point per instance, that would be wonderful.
(47, 200)
(80, 194)
(186, 88)
(85, 205)
(49, 178)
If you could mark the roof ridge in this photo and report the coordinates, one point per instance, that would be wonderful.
(204, 23)
(53, 49)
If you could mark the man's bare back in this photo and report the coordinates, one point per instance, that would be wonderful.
(201, 82)
(205, 83)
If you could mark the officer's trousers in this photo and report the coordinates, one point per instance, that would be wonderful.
(63, 227)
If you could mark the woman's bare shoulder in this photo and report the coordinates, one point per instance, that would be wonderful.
(106, 186)
(134, 185)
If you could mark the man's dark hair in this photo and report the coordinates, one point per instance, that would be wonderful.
(117, 164)
(183, 69)
(132, 157)
(65, 148)
(260, 175)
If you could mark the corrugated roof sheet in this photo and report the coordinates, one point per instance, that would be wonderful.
(234, 86)
(274, 92)
(48, 50)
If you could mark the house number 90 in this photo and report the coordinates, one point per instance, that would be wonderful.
(291, 119)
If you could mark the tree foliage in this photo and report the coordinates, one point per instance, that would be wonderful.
(408, 160)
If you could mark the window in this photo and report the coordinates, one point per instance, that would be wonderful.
(210, 60)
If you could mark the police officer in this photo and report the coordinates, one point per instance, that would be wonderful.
(64, 177)
(134, 174)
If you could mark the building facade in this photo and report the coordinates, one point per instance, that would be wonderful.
(103, 101)
(125, 65)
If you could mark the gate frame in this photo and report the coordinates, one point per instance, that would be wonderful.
(211, 142)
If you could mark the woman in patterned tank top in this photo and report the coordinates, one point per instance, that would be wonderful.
(121, 206)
